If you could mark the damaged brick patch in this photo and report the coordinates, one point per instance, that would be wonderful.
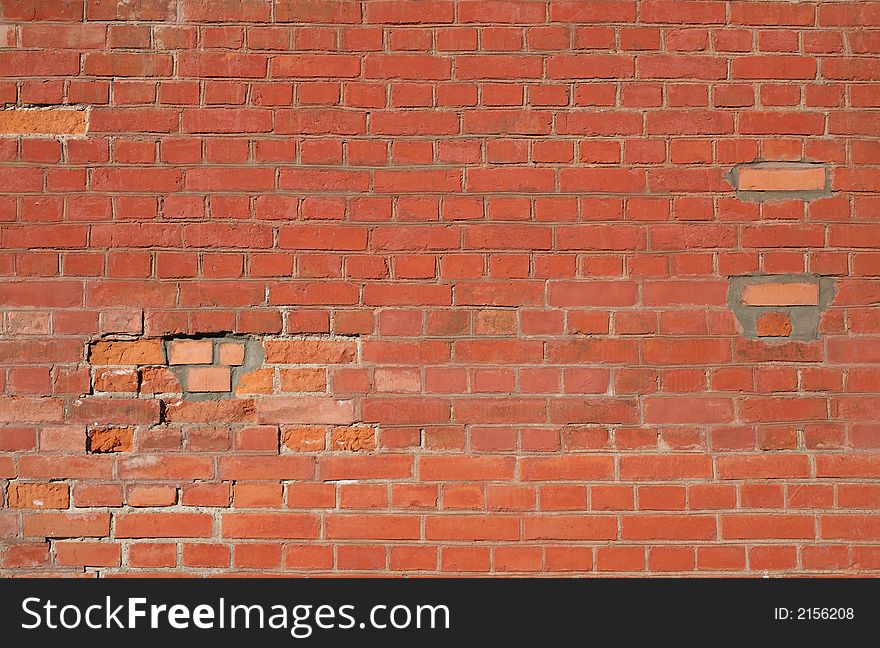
(166, 393)
(220, 366)
(780, 306)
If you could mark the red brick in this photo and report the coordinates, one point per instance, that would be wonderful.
(269, 525)
(88, 554)
(447, 330)
(163, 525)
(67, 525)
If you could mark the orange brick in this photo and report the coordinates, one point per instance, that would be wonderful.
(136, 352)
(304, 439)
(190, 352)
(51, 495)
(43, 121)
(159, 380)
(152, 555)
(303, 380)
(765, 178)
(110, 440)
(143, 495)
(256, 495)
(231, 353)
(780, 294)
(774, 325)
(208, 379)
(353, 439)
(310, 351)
(258, 381)
(88, 554)
(116, 380)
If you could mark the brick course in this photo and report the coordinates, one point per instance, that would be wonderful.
(439, 287)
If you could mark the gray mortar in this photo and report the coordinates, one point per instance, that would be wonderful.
(253, 359)
(732, 177)
(804, 319)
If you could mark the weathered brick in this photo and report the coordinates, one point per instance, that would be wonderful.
(355, 439)
(310, 351)
(52, 121)
(51, 495)
(307, 439)
(116, 380)
(305, 409)
(774, 325)
(158, 380)
(110, 440)
(124, 352)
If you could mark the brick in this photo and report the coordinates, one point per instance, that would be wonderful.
(208, 379)
(163, 525)
(30, 410)
(265, 525)
(51, 495)
(773, 325)
(88, 554)
(231, 353)
(67, 525)
(310, 351)
(158, 380)
(43, 122)
(110, 440)
(305, 409)
(780, 294)
(304, 439)
(353, 439)
(135, 352)
(190, 352)
(152, 555)
(116, 380)
(766, 178)
(151, 496)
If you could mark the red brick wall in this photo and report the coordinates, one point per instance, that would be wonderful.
(509, 287)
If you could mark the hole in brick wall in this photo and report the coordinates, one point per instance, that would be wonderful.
(780, 307)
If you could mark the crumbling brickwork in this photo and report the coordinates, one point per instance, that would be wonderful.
(439, 287)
